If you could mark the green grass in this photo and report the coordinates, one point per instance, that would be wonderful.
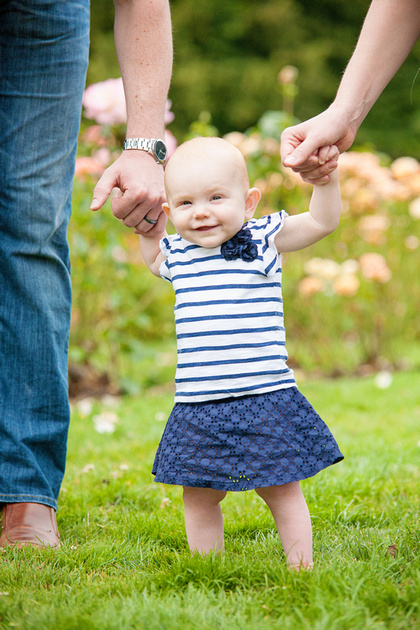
(124, 563)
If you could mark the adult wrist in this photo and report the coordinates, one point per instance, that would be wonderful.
(352, 113)
(155, 146)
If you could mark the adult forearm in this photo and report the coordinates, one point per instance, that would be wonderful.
(389, 32)
(143, 40)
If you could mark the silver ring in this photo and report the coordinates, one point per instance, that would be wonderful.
(150, 221)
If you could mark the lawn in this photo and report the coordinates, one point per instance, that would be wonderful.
(124, 562)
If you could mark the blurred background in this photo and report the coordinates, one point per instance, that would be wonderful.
(228, 54)
(245, 69)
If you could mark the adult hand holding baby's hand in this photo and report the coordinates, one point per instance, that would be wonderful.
(327, 163)
(156, 230)
(317, 167)
(304, 146)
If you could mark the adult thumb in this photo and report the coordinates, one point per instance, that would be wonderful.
(102, 190)
(302, 152)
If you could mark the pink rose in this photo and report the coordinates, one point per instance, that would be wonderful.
(169, 116)
(88, 166)
(105, 102)
(170, 142)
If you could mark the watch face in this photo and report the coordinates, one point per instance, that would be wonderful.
(160, 151)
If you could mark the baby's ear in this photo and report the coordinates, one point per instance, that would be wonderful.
(251, 202)
(165, 208)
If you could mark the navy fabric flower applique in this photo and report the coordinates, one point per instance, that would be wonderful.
(240, 246)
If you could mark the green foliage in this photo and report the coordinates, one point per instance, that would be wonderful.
(228, 56)
(333, 329)
(117, 304)
(338, 322)
(124, 562)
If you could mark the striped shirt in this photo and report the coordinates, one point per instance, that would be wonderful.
(228, 317)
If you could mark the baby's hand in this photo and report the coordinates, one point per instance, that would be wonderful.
(327, 159)
(328, 154)
(327, 163)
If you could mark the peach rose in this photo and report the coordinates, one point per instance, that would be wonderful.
(404, 167)
(322, 268)
(374, 267)
(346, 285)
(411, 242)
(288, 75)
(373, 227)
(310, 285)
(414, 208)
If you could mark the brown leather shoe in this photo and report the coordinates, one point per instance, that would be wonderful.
(29, 525)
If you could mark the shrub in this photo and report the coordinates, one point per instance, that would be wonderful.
(351, 301)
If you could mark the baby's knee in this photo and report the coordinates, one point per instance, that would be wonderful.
(276, 493)
(203, 495)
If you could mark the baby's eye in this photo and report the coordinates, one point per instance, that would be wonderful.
(185, 203)
(216, 197)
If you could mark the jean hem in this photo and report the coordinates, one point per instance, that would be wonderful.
(28, 498)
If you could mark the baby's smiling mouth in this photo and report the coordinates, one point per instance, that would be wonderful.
(205, 228)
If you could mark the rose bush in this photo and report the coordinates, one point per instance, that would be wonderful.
(352, 301)
(100, 143)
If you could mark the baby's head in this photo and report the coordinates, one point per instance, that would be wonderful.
(207, 190)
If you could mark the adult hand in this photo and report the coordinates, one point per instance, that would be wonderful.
(305, 147)
(156, 231)
(140, 181)
(327, 163)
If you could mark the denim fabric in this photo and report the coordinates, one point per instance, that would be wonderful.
(43, 56)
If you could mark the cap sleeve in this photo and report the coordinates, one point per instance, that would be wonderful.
(166, 247)
(265, 231)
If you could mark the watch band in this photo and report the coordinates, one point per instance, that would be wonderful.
(154, 146)
(143, 144)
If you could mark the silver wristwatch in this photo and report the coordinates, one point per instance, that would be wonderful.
(154, 146)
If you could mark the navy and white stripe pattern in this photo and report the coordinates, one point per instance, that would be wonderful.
(228, 317)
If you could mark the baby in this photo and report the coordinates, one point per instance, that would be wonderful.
(239, 421)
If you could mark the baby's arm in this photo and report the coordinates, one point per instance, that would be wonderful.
(301, 230)
(150, 248)
(151, 253)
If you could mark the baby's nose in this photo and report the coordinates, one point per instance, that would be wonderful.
(201, 210)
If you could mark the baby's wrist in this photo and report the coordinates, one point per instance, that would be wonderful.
(326, 180)
(333, 175)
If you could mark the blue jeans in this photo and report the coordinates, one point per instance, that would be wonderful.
(43, 55)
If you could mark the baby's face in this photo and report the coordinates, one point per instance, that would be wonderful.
(207, 198)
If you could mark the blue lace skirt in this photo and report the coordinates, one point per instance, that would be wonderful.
(244, 443)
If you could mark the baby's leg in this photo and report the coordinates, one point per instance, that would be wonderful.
(203, 519)
(293, 521)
